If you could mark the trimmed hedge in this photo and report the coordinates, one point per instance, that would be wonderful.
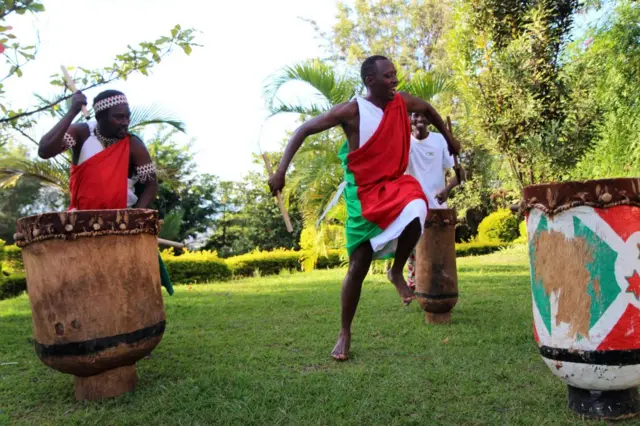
(12, 286)
(13, 258)
(264, 262)
(332, 260)
(196, 267)
(272, 262)
(205, 266)
(476, 248)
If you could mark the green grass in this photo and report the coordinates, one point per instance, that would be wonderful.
(257, 352)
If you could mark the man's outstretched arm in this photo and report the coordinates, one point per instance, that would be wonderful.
(332, 118)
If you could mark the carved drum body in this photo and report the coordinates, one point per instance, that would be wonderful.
(94, 286)
(584, 241)
(436, 273)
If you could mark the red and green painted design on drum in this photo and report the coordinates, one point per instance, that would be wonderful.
(612, 291)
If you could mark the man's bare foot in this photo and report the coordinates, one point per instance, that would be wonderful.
(401, 285)
(341, 350)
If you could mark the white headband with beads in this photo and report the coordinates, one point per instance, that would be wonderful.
(109, 102)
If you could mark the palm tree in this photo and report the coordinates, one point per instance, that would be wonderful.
(55, 172)
(317, 170)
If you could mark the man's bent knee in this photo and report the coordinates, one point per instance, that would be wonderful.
(361, 257)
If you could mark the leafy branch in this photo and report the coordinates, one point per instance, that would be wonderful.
(135, 59)
(16, 55)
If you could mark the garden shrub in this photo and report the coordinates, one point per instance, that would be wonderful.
(196, 267)
(12, 286)
(500, 226)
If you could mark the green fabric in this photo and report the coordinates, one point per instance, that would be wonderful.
(164, 276)
(358, 229)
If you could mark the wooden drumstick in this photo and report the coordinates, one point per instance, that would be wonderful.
(456, 166)
(170, 243)
(167, 242)
(72, 86)
(285, 215)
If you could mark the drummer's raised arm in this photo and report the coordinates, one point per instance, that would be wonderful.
(64, 135)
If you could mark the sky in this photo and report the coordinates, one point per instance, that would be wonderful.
(217, 90)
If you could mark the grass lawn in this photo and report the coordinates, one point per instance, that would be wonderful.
(257, 352)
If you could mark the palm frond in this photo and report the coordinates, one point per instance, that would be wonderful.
(331, 88)
(170, 229)
(427, 85)
(51, 174)
(309, 110)
(154, 114)
(320, 173)
(140, 115)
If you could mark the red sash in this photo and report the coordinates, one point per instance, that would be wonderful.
(379, 167)
(101, 182)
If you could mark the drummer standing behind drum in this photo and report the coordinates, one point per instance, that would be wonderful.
(106, 159)
(429, 160)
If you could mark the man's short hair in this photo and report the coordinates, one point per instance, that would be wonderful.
(369, 66)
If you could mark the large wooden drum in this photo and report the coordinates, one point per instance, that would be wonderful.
(584, 247)
(436, 273)
(94, 285)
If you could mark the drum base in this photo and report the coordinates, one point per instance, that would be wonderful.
(109, 384)
(611, 405)
(432, 318)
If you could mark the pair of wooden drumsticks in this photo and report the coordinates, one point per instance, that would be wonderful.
(456, 166)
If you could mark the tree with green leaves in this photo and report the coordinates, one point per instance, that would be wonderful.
(249, 218)
(507, 60)
(412, 34)
(228, 236)
(261, 217)
(408, 31)
(608, 58)
(182, 192)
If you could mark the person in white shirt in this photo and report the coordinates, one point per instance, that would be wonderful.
(429, 160)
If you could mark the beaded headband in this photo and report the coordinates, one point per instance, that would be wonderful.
(107, 103)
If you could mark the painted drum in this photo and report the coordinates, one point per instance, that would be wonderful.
(93, 282)
(436, 273)
(584, 249)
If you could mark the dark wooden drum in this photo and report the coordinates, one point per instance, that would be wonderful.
(436, 273)
(94, 286)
